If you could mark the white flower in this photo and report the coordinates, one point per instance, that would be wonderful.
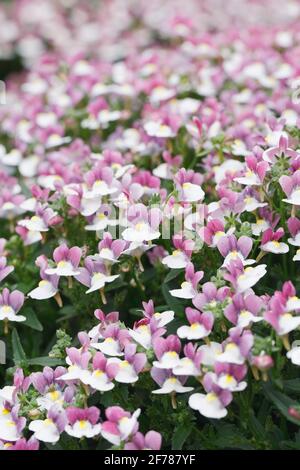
(208, 405)
(186, 367)
(228, 382)
(275, 247)
(245, 318)
(100, 381)
(142, 335)
(172, 385)
(8, 313)
(55, 397)
(99, 280)
(157, 129)
(177, 260)
(168, 360)
(231, 354)
(250, 277)
(83, 428)
(63, 268)
(294, 197)
(187, 291)
(194, 331)
(140, 232)
(295, 241)
(126, 373)
(191, 192)
(288, 323)
(293, 303)
(100, 222)
(45, 430)
(259, 227)
(110, 347)
(210, 353)
(45, 290)
(296, 257)
(8, 429)
(294, 355)
(75, 373)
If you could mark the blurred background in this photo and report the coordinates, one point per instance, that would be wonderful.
(113, 29)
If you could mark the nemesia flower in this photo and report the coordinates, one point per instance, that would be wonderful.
(210, 297)
(191, 363)
(270, 154)
(188, 288)
(244, 309)
(94, 275)
(231, 249)
(244, 278)
(114, 342)
(48, 286)
(10, 304)
(255, 173)
(5, 270)
(144, 331)
(51, 388)
(67, 261)
(162, 318)
(270, 242)
(44, 218)
(22, 444)
(103, 373)
(11, 425)
(119, 425)
(282, 321)
(213, 232)
(180, 257)
(229, 376)
(236, 347)
(78, 361)
(291, 187)
(188, 186)
(150, 441)
(132, 364)
(213, 403)
(294, 229)
(168, 382)
(200, 325)
(167, 352)
(83, 422)
(143, 224)
(49, 429)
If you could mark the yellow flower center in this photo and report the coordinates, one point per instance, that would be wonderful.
(54, 395)
(82, 424)
(211, 396)
(98, 373)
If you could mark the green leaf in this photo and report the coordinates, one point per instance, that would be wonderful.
(173, 274)
(292, 385)
(281, 401)
(180, 435)
(18, 351)
(45, 361)
(32, 320)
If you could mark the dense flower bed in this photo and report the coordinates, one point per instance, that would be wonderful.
(150, 231)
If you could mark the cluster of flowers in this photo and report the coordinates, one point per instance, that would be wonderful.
(160, 157)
